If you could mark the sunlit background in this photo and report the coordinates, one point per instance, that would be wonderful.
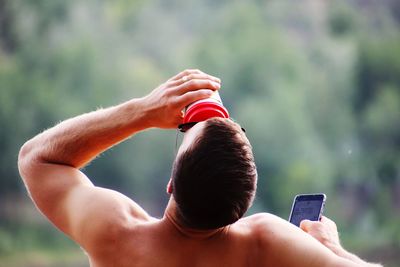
(316, 84)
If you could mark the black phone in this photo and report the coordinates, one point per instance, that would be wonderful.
(307, 207)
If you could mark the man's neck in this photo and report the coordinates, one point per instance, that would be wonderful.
(171, 219)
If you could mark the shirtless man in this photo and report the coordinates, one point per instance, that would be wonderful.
(212, 184)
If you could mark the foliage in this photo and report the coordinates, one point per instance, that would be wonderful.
(316, 84)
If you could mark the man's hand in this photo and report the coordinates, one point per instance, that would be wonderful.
(325, 231)
(167, 101)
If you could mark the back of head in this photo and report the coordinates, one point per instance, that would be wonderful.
(214, 180)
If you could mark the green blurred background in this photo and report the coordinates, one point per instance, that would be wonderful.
(315, 83)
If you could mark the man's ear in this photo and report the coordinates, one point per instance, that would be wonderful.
(169, 186)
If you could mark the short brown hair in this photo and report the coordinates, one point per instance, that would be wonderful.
(214, 180)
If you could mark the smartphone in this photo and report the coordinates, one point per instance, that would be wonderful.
(307, 207)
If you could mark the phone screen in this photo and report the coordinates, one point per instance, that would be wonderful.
(307, 207)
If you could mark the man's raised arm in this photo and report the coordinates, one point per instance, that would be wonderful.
(50, 162)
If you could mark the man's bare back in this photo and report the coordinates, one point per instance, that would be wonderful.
(252, 241)
(115, 231)
(159, 243)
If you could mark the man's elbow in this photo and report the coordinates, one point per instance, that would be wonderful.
(26, 159)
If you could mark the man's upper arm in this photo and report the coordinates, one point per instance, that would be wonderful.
(78, 208)
(284, 244)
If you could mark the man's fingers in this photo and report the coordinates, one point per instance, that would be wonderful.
(192, 96)
(305, 225)
(197, 84)
(329, 222)
(186, 73)
(326, 220)
(194, 76)
(309, 226)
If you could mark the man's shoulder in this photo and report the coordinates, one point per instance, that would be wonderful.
(260, 220)
(265, 226)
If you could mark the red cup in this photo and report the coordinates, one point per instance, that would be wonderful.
(204, 109)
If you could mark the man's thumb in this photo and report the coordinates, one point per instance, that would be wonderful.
(305, 225)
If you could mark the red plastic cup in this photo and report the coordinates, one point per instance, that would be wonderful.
(204, 109)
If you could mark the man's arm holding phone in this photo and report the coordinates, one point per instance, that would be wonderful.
(325, 231)
(307, 212)
(284, 244)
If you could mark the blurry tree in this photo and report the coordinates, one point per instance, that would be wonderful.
(315, 84)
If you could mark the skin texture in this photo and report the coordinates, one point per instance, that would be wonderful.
(115, 231)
